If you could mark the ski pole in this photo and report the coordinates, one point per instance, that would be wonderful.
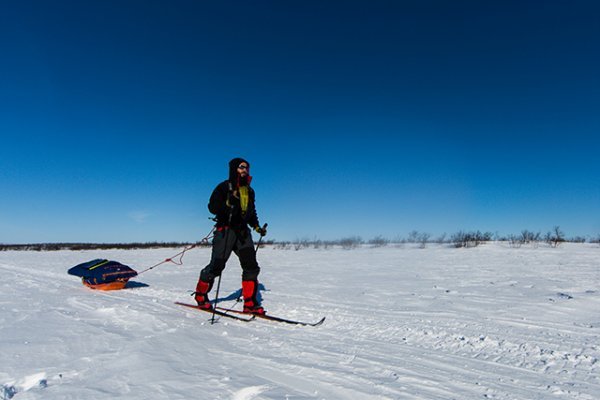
(260, 239)
(212, 320)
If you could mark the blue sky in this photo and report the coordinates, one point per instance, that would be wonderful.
(118, 118)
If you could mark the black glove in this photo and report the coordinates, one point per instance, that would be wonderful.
(261, 231)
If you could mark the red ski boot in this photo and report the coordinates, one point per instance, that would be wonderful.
(201, 294)
(251, 304)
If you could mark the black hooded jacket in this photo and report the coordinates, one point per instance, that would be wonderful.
(223, 194)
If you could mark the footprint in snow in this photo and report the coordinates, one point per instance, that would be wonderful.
(249, 392)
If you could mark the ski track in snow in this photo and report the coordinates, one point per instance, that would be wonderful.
(438, 323)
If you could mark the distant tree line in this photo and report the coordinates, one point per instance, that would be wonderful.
(460, 239)
(91, 246)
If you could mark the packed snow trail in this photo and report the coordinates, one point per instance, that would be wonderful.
(402, 323)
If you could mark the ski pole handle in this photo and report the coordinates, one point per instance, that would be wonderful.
(260, 239)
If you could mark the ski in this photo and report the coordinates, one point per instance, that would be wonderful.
(216, 312)
(273, 318)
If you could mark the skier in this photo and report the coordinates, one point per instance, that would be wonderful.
(232, 202)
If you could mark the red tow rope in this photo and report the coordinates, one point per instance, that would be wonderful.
(174, 260)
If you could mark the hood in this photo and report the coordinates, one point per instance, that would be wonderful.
(233, 175)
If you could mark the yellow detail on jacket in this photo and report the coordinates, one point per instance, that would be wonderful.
(243, 198)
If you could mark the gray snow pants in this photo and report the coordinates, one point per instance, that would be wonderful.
(232, 240)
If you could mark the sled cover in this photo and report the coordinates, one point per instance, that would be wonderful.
(103, 274)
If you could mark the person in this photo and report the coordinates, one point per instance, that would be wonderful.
(232, 202)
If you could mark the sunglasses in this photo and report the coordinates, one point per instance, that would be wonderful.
(243, 167)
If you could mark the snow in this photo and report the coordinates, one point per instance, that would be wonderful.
(491, 322)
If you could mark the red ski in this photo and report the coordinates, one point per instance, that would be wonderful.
(272, 317)
(217, 312)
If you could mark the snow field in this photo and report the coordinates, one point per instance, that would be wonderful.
(402, 323)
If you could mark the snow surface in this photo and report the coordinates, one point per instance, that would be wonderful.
(490, 322)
